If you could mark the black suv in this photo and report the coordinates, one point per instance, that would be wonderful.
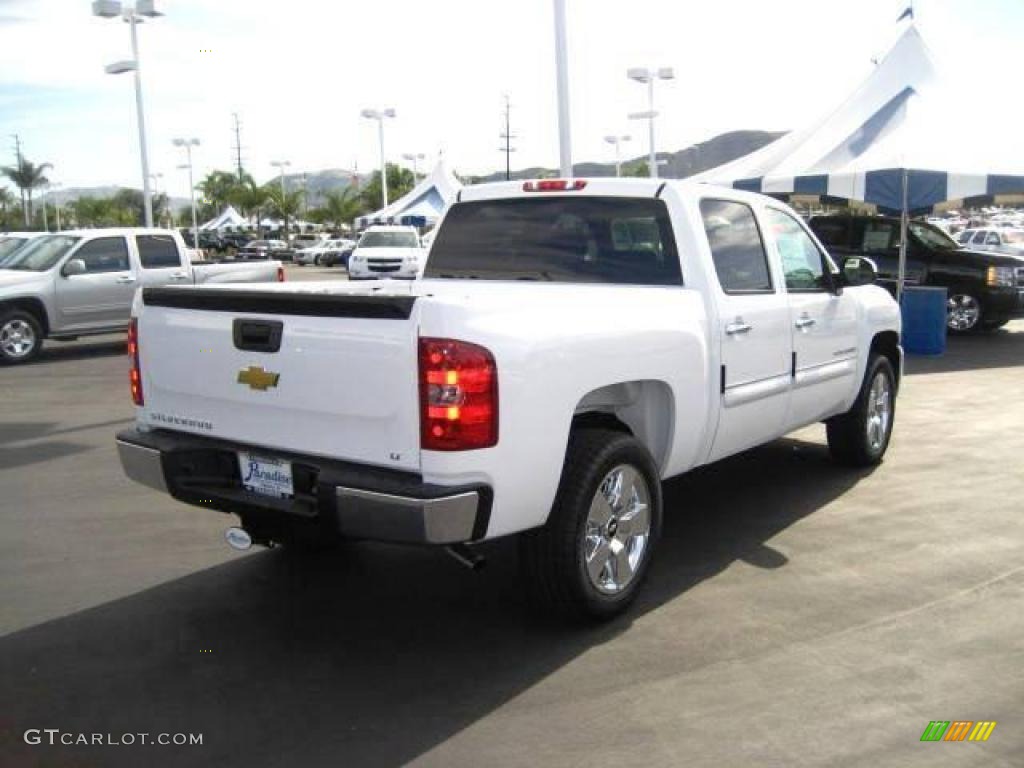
(985, 289)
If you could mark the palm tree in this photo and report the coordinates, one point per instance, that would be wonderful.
(6, 198)
(284, 204)
(342, 207)
(26, 177)
(251, 199)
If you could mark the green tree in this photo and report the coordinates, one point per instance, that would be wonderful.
(283, 204)
(341, 208)
(218, 187)
(27, 177)
(6, 201)
(400, 181)
(250, 199)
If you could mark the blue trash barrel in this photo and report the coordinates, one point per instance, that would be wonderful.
(924, 320)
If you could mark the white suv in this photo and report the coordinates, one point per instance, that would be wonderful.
(387, 251)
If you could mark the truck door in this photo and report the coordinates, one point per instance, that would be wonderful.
(102, 296)
(162, 262)
(823, 324)
(753, 331)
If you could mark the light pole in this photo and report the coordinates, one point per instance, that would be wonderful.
(188, 144)
(55, 186)
(281, 165)
(616, 141)
(379, 115)
(414, 158)
(648, 76)
(46, 225)
(562, 81)
(156, 185)
(109, 9)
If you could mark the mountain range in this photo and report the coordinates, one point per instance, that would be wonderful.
(672, 165)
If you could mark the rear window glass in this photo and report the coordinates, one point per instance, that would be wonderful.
(157, 251)
(389, 240)
(736, 247)
(558, 239)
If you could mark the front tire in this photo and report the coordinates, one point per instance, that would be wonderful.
(963, 313)
(860, 437)
(591, 557)
(21, 337)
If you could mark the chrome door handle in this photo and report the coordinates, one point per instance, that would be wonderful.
(179, 276)
(805, 322)
(738, 327)
(126, 279)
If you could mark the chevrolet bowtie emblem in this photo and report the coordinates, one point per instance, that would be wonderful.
(257, 378)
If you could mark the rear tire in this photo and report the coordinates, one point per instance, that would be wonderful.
(21, 337)
(860, 437)
(591, 557)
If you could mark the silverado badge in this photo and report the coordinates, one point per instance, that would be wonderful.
(258, 378)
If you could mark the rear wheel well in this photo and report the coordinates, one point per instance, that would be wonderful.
(887, 343)
(33, 306)
(643, 409)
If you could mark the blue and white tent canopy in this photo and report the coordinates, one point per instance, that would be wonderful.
(422, 205)
(899, 121)
(229, 218)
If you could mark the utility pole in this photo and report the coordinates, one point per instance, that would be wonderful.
(238, 145)
(562, 84)
(507, 135)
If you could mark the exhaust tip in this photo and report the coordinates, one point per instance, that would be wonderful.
(238, 538)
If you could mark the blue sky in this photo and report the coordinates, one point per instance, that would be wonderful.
(299, 73)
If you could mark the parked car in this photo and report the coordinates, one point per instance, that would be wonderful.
(571, 344)
(263, 249)
(387, 251)
(317, 254)
(998, 239)
(985, 289)
(208, 241)
(79, 283)
(11, 242)
(236, 240)
(339, 253)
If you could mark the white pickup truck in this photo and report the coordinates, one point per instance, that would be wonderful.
(79, 283)
(572, 343)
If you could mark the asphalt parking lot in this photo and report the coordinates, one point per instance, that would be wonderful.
(798, 614)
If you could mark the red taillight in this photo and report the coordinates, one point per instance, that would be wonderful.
(554, 185)
(458, 396)
(135, 372)
(280, 274)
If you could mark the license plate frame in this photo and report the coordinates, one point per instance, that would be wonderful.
(265, 475)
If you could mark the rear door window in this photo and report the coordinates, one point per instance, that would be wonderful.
(559, 239)
(880, 236)
(157, 251)
(737, 248)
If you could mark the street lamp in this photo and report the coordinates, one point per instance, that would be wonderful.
(55, 187)
(562, 85)
(648, 76)
(281, 165)
(379, 115)
(188, 144)
(132, 13)
(616, 141)
(414, 158)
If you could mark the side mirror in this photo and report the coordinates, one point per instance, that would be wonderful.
(859, 270)
(74, 267)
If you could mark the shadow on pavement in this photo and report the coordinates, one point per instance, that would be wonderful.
(366, 659)
(999, 349)
(54, 351)
(16, 432)
(24, 456)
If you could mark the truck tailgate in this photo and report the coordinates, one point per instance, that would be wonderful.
(340, 381)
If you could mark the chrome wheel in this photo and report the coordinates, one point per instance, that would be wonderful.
(879, 411)
(963, 312)
(17, 338)
(618, 529)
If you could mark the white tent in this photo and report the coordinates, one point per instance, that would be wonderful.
(901, 141)
(229, 217)
(422, 205)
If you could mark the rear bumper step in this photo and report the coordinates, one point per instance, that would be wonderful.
(352, 500)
